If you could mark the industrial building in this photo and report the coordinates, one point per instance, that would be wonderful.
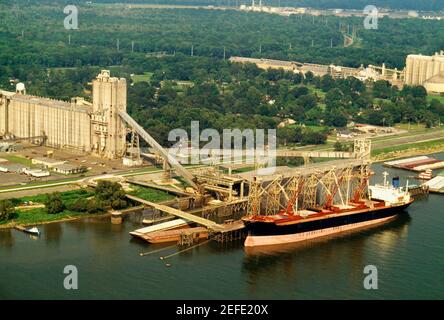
(78, 125)
(427, 71)
(47, 163)
(421, 70)
(11, 167)
(68, 169)
(394, 76)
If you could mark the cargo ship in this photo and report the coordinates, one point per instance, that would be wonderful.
(383, 203)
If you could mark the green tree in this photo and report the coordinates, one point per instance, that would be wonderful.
(80, 205)
(54, 203)
(381, 89)
(313, 137)
(96, 206)
(7, 210)
(111, 194)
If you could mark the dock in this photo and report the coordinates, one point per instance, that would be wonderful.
(225, 228)
(158, 220)
(178, 213)
(416, 190)
(177, 223)
(186, 236)
(167, 189)
(436, 185)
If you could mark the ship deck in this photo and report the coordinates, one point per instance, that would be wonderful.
(281, 219)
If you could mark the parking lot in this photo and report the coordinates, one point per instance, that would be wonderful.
(95, 165)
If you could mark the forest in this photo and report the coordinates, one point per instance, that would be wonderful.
(424, 5)
(177, 61)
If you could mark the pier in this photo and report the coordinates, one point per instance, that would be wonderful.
(213, 226)
(167, 189)
(175, 212)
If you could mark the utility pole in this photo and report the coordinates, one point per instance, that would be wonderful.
(132, 46)
(289, 47)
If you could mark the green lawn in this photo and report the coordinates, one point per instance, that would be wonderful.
(146, 76)
(311, 127)
(432, 97)
(183, 84)
(67, 196)
(415, 130)
(318, 92)
(411, 127)
(42, 184)
(150, 194)
(39, 215)
(18, 159)
(419, 145)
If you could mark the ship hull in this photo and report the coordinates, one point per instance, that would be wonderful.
(268, 234)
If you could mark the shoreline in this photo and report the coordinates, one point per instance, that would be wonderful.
(126, 211)
(13, 224)
(377, 159)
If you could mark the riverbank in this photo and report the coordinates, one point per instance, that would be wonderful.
(39, 215)
(67, 217)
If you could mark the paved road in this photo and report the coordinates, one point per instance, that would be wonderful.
(36, 191)
(406, 140)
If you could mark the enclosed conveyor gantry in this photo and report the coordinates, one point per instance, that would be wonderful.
(180, 170)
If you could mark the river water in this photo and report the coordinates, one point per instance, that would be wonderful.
(407, 252)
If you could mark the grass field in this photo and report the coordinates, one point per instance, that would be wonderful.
(318, 92)
(42, 184)
(150, 194)
(67, 196)
(146, 76)
(419, 146)
(311, 127)
(439, 98)
(39, 215)
(18, 159)
(181, 85)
